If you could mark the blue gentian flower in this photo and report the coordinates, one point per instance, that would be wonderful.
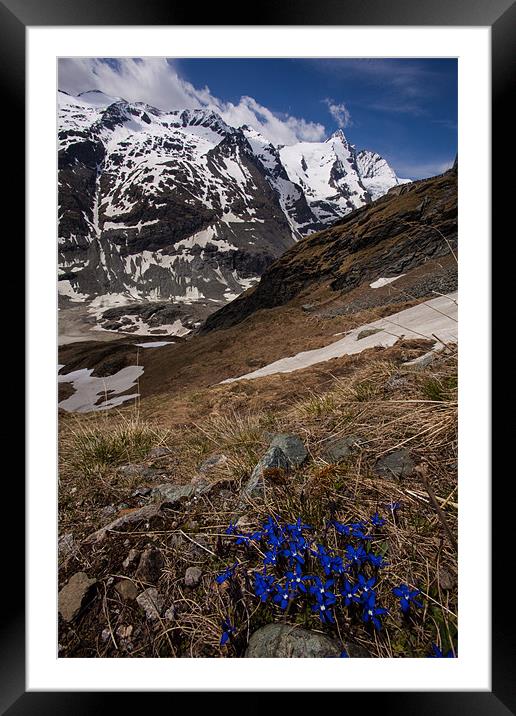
(407, 597)
(356, 555)
(228, 630)
(231, 529)
(350, 592)
(293, 552)
(263, 585)
(324, 611)
(377, 521)
(322, 591)
(296, 529)
(337, 565)
(342, 529)
(283, 596)
(358, 530)
(393, 506)
(344, 654)
(270, 557)
(438, 654)
(226, 574)
(296, 579)
(324, 558)
(376, 560)
(372, 612)
(365, 586)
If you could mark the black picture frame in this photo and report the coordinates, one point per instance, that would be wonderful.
(15, 17)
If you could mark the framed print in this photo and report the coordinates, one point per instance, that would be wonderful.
(265, 462)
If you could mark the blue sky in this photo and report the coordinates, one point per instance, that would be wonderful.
(405, 109)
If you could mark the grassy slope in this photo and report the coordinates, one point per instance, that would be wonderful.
(371, 395)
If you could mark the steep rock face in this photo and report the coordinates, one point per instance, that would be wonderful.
(409, 225)
(181, 206)
(376, 175)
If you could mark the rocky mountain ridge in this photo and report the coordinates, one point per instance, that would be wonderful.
(179, 206)
(409, 226)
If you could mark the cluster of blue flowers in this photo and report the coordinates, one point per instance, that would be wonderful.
(298, 571)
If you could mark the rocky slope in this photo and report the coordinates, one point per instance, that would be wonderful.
(179, 206)
(404, 229)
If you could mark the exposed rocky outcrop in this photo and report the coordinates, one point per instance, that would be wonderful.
(405, 228)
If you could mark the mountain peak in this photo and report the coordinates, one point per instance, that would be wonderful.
(339, 134)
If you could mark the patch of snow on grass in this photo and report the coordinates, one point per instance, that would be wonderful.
(88, 389)
(155, 344)
(433, 319)
(384, 281)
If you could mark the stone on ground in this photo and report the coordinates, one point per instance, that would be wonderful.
(292, 446)
(151, 602)
(73, 595)
(397, 464)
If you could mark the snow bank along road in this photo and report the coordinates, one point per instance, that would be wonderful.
(435, 320)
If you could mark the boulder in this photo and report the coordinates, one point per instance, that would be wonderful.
(273, 458)
(284, 641)
(396, 464)
(292, 446)
(73, 595)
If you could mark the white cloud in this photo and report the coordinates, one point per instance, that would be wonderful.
(155, 81)
(339, 112)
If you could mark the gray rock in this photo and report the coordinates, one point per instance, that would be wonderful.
(367, 332)
(308, 307)
(131, 558)
(151, 602)
(67, 547)
(446, 579)
(73, 595)
(283, 641)
(422, 361)
(340, 449)
(142, 491)
(126, 589)
(292, 446)
(396, 464)
(142, 515)
(158, 452)
(192, 576)
(150, 565)
(107, 511)
(273, 458)
(396, 381)
(170, 493)
(134, 470)
(211, 462)
(170, 614)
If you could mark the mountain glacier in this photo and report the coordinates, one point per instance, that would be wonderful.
(183, 211)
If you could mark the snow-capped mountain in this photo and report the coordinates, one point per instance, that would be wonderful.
(179, 206)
